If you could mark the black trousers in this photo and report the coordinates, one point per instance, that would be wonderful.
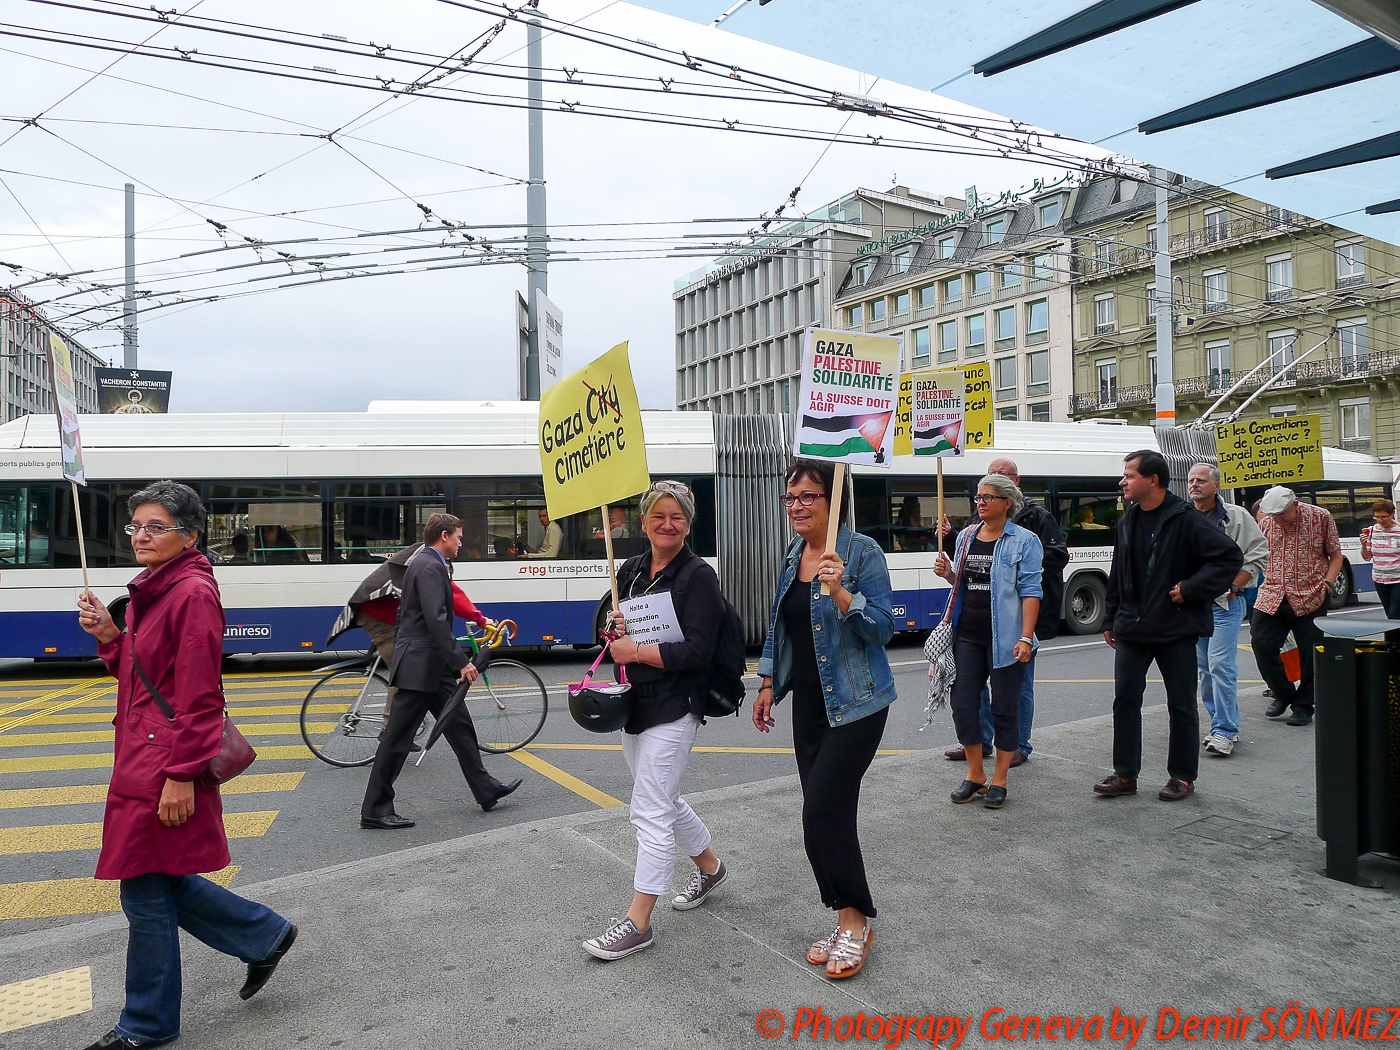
(974, 664)
(1177, 662)
(1266, 635)
(830, 764)
(410, 705)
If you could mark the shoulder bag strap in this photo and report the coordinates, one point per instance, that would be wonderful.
(150, 686)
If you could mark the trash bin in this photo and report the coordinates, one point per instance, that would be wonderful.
(1357, 740)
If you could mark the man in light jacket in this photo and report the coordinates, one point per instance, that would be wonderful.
(1215, 655)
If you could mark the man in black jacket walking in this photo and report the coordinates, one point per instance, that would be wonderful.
(1169, 563)
(428, 664)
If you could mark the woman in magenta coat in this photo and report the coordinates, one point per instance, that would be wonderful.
(164, 826)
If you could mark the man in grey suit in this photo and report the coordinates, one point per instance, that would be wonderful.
(428, 664)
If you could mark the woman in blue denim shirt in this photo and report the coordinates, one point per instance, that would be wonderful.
(994, 606)
(829, 652)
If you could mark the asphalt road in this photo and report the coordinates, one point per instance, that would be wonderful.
(293, 813)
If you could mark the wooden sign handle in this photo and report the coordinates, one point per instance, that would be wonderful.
(612, 566)
(82, 546)
(938, 527)
(833, 522)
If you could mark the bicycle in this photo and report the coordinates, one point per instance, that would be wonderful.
(513, 717)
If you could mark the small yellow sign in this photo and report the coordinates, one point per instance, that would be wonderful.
(1269, 451)
(977, 410)
(592, 449)
(903, 416)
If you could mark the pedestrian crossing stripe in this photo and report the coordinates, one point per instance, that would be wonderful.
(103, 760)
(53, 898)
(47, 696)
(10, 723)
(88, 717)
(33, 798)
(100, 736)
(109, 701)
(66, 838)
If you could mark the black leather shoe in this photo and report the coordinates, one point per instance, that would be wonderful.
(259, 972)
(1277, 709)
(392, 822)
(506, 789)
(967, 791)
(996, 797)
(113, 1040)
(1301, 718)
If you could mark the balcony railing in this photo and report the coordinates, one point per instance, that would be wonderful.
(1235, 230)
(1209, 387)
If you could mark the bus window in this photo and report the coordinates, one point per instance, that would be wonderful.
(258, 533)
(1336, 499)
(369, 530)
(625, 522)
(26, 518)
(1363, 497)
(1088, 519)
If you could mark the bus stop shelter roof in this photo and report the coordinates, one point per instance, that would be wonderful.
(1293, 102)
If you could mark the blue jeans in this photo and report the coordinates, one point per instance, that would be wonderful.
(1215, 667)
(159, 906)
(1027, 712)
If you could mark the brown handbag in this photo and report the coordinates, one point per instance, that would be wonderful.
(235, 753)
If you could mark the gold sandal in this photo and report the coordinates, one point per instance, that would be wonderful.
(849, 954)
(820, 952)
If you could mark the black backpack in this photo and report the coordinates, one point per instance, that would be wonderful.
(723, 681)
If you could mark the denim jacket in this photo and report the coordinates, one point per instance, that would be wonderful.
(855, 672)
(1015, 575)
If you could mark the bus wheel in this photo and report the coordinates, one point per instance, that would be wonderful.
(1087, 603)
(1342, 592)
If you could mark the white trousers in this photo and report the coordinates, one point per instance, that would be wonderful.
(664, 821)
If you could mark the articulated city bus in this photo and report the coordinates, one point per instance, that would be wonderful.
(302, 506)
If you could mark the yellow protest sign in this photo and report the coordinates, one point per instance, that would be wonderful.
(592, 449)
(903, 415)
(1269, 451)
(977, 410)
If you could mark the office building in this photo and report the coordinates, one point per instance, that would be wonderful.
(24, 363)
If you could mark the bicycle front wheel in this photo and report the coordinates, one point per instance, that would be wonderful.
(508, 705)
(356, 701)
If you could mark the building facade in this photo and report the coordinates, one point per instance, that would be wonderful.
(24, 362)
(739, 321)
(989, 283)
(1253, 285)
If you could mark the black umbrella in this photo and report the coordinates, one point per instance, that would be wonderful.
(456, 703)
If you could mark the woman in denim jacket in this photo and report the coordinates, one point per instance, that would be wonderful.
(829, 652)
(994, 605)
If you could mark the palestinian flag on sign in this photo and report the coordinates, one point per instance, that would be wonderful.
(939, 439)
(833, 437)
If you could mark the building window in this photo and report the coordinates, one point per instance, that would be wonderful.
(947, 341)
(1108, 382)
(981, 282)
(1011, 275)
(1279, 272)
(928, 297)
(779, 314)
(1152, 368)
(1040, 412)
(945, 246)
(1006, 327)
(1351, 263)
(1356, 422)
(1279, 411)
(976, 335)
(877, 310)
(1043, 267)
(1150, 302)
(1283, 349)
(1354, 342)
(1007, 413)
(855, 316)
(1217, 225)
(952, 290)
(1218, 363)
(1037, 321)
(1105, 313)
(996, 230)
(921, 347)
(901, 304)
(1038, 373)
(1217, 290)
(1006, 377)
(1152, 238)
(1049, 213)
(900, 262)
(1103, 253)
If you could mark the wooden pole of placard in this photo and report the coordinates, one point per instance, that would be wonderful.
(833, 522)
(938, 528)
(82, 547)
(612, 567)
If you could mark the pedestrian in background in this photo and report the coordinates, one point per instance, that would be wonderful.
(828, 651)
(993, 608)
(1305, 559)
(163, 826)
(1054, 558)
(1380, 545)
(1169, 564)
(1216, 656)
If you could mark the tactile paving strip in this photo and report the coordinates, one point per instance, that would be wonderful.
(46, 998)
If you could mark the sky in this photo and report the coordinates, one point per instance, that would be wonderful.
(221, 156)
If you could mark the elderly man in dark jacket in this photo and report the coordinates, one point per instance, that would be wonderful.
(1169, 563)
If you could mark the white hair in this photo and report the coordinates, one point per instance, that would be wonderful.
(1006, 489)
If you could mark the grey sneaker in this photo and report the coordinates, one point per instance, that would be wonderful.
(697, 888)
(1219, 744)
(618, 941)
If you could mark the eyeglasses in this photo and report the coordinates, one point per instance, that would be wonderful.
(155, 530)
(979, 498)
(804, 498)
(670, 486)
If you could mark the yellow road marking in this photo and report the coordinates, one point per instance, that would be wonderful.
(42, 699)
(87, 717)
(64, 838)
(247, 784)
(55, 897)
(23, 719)
(104, 760)
(711, 750)
(574, 784)
(45, 998)
(98, 736)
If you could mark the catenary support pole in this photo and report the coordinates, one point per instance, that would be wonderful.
(1166, 386)
(537, 233)
(129, 302)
